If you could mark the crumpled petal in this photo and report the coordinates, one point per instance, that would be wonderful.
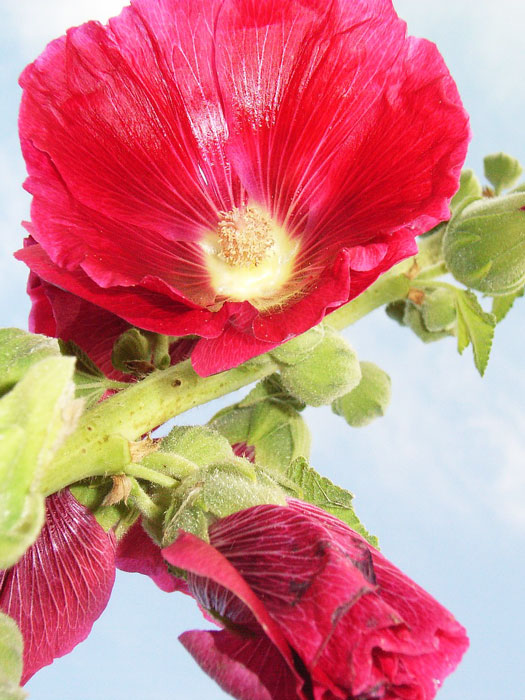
(356, 625)
(62, 583)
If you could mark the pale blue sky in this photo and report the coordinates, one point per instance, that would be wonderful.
(440, 479)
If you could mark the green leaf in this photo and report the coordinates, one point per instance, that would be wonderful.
(11, 650)
(502, 305)
(502, 171)
(369, 399)
(19, 351)
(474, 326)
(85, 364)
(35, 417)
(320, 491)
(469, 187)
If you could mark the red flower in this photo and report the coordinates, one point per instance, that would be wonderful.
(311, 611)
(62, 583)
(233, 169)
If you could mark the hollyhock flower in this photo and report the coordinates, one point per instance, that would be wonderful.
(62, 583)
(310, 610)
(235, 170)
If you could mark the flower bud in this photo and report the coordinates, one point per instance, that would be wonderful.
(329, 371)
(368, 400)
(502, 171)
(484, 245)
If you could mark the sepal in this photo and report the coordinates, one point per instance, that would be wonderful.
(268, 422)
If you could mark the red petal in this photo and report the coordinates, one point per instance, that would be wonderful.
(249, 668)
(317, 579)
(201, 559)
(137, 553)
(139, 306)
(62, 583)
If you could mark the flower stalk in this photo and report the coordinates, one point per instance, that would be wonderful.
(101, 443)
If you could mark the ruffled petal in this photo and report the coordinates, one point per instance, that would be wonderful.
(136, 305)
(62, 583)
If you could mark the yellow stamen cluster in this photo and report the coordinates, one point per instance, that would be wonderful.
(245, 238)
(249, 257)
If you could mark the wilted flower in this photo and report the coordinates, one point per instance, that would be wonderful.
(310, 610)
(235, 170)
(62, 583)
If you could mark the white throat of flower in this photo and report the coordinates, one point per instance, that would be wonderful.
(249, 257)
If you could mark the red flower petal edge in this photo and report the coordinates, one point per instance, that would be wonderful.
(62, 583)
(177, 151)
(137, 553)
(355, 626)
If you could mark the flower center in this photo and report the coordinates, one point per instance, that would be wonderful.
(249, 257)
(246, 239)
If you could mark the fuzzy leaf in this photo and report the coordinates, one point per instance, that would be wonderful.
(474, 326)
(35, 417)
(502, 305)
(19, 351)
(321, 492)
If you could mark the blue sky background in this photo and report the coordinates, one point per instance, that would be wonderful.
(440, 479)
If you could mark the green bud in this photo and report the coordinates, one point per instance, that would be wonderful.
(132, 350)
(11, 649)
(368, 400)
(298, 348)
(502, 171)
(329, 371)
(413, 318)
(396, 311)
(198, 444)
(484, 245)
(439, 310)
(469, 188)
(19, 351)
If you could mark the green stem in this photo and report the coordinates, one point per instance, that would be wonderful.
(144, 503)
(100, 443)
(387, 289)
(140, 472)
